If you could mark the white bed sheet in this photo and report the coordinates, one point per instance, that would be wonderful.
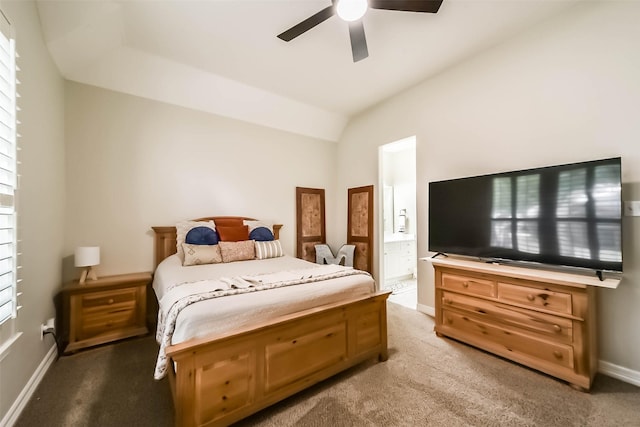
(219, 315)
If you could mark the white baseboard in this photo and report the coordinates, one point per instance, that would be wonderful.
(429, 311)
(619, 372)
(27, 392)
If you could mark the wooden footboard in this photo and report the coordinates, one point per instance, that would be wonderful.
(220, 380)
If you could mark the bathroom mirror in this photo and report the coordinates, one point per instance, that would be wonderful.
(388, 208)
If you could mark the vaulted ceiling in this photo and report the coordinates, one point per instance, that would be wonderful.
(223, 56)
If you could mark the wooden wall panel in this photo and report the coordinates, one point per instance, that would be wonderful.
(360, 226)
(310, 222)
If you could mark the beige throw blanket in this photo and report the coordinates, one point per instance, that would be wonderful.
(182, 295)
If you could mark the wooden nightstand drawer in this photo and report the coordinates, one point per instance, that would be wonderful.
(105, 310)
(105, 300)
(100, 323)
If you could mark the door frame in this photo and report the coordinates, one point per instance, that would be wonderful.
(380, 204)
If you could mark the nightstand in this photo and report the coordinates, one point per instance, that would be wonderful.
(104, 310)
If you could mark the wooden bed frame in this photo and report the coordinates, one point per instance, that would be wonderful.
(221, 379)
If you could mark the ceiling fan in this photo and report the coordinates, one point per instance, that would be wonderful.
(352, 11)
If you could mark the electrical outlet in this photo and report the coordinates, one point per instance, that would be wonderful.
(632, 208)
(48, 327)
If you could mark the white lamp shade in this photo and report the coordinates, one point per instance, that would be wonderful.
(87, 256)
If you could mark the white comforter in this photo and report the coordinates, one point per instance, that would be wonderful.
(218, 315)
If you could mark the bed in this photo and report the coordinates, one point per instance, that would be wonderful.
(234, 362)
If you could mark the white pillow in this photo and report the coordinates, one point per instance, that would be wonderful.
(201, 254)
(271, 249)
(183, 227)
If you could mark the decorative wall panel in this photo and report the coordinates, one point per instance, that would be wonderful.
(360, 226)
(310, 222)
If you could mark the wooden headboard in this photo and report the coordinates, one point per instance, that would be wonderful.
(165, 236)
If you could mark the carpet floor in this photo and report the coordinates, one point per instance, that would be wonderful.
(427, 381)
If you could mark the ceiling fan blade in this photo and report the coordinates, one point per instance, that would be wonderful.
(358, 41)
(428, 6)
(308, 24)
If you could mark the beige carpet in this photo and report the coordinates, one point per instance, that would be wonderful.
(431, 381)
(427, 381)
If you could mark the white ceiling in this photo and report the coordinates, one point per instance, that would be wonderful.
(223, 56)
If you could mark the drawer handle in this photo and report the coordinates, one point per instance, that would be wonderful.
(465, 284)
(557, 328)
(557, 354)
(447, 301)
(449, 320)
(110, 301)
(531, 297)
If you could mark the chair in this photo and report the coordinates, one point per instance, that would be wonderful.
(325, 256)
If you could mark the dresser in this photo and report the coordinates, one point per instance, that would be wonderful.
(542, 319)
(104, 310)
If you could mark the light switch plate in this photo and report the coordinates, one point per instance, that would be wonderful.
(632, 208)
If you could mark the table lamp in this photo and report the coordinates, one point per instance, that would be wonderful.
(87, 256)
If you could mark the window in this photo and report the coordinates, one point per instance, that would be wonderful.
(501, 214)
(8, 180)
(522, 233)
(578, 211)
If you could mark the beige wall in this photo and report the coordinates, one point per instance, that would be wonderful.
(133, 163)
(40, 200)
(564, 91)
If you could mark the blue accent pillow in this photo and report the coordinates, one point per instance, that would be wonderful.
(261, 234)
(201, 236)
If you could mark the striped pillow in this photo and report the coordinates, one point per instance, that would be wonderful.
(270, 249)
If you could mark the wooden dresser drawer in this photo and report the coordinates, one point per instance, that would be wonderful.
(544, 320)
(542, 324)
(545, 299)
(506, 340)
(468, 285)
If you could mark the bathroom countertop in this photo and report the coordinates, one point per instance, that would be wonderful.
(399, 237)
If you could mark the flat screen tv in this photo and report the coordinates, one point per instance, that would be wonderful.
(567, 215)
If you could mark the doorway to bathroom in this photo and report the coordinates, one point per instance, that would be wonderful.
(397, 162)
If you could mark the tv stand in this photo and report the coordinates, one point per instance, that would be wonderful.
(436, 255)
(542, 319)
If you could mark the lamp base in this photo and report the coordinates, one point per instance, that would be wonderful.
(88, 273)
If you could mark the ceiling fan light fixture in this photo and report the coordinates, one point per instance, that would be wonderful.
(351, 10)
